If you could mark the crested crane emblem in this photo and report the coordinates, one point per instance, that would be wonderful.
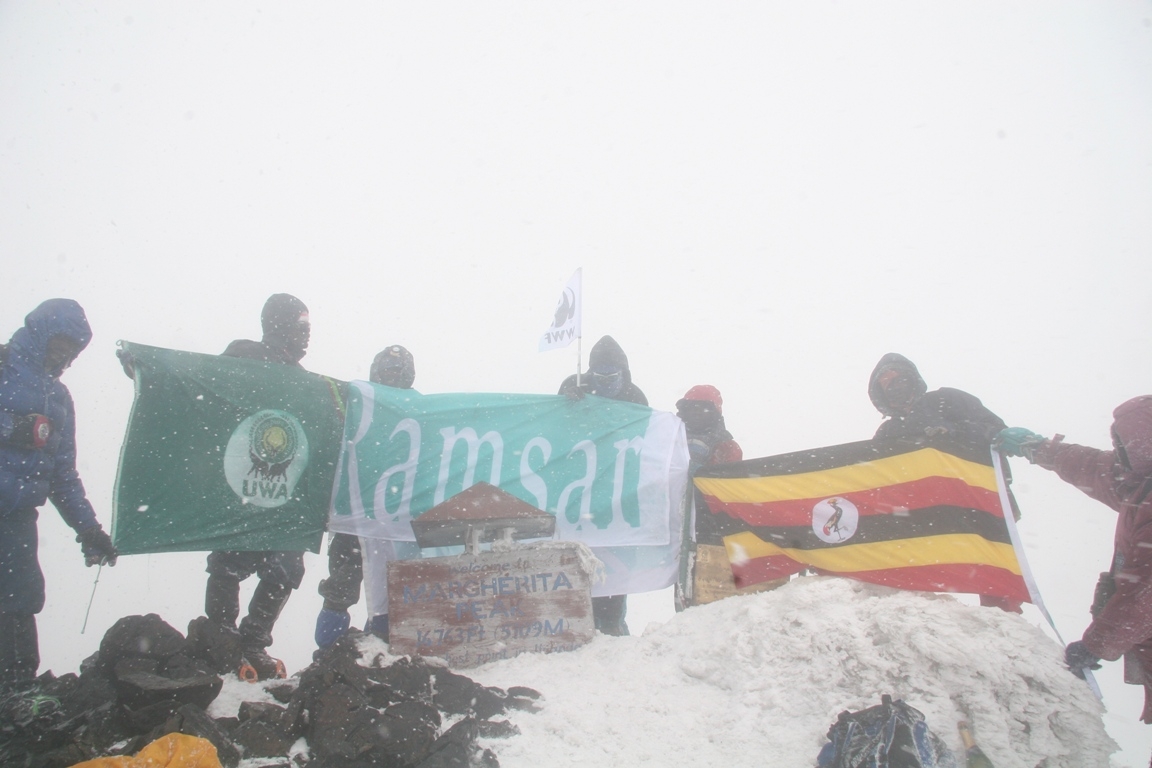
(835, 519)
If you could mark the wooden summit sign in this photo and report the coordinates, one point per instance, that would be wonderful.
(481, 606)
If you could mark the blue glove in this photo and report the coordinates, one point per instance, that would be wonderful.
(1078, 658)
(1017, 441)
(331, 626)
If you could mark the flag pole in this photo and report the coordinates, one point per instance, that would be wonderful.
(1025, 570)
(579, 357)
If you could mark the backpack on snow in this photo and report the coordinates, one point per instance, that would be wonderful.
(889, 735)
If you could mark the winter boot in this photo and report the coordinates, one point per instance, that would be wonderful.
(331, 626)
(267, 602)
(257, 665)
(378, 625)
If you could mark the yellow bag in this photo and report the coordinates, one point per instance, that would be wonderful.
(176, 750)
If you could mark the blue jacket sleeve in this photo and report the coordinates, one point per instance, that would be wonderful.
(67, 492)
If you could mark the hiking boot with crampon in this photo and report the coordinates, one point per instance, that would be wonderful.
(258, 665)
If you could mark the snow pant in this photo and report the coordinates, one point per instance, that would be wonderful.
(608, 614)
(279, 572)
(21, 580)
(21, 597)
(341, 590)
(19, 650)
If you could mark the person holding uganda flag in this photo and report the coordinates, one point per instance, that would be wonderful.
(1121, 479)
(922, 506)
(899, 392)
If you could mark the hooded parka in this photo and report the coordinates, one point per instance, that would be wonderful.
(1121, 479)
(31, 476)
(942, 410)
(606, 354)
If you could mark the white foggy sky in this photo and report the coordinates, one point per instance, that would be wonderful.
(764, 196)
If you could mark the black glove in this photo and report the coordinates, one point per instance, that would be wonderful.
(1078, 658)
(31, 430)
(97, 547)
(572, 392)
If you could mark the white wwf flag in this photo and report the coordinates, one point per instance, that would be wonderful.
(565, 326)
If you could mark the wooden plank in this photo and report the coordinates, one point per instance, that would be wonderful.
(474, 608)
(713, 577)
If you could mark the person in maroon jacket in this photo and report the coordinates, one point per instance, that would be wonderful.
(1122, 479)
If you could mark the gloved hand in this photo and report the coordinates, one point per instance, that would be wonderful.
(698, 451)
(31, 430)
(97, 547)
(572, 392)
(1017, 441)
(127, 362)
(1078, 658)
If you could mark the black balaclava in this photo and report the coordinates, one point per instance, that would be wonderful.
(284, 320)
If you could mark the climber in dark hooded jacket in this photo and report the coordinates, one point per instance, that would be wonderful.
(913, 413)
(899, 392)
(286, 331)
(609, 377)
(37, 464)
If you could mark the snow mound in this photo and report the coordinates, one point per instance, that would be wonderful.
(758, 680)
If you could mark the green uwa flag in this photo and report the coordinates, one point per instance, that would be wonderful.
(225, 454)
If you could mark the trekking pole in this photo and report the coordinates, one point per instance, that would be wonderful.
(93, 597)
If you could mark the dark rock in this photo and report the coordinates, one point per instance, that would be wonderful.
(194, 721)
(455, 748)
(282, 690)
(384, 696)
(101, 729)
(260, 710)
(497, 729)
(146, 635)
(523, 692)
(181, 666)
(220, 647)
(259, 738)
(141, 689)
(460, 695)
(408, 730)
(227, 724)
(131, 664)
(146, 718)
(342, 722)
(410, 678)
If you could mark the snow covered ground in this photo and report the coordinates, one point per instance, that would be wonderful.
(757, 680)
(766, 197)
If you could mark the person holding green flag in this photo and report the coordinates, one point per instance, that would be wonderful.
(286, 331)
(395, 367)
(37, 464)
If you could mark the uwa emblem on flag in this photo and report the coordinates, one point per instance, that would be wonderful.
(565, 327)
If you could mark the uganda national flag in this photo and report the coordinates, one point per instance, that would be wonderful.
(923, 516)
